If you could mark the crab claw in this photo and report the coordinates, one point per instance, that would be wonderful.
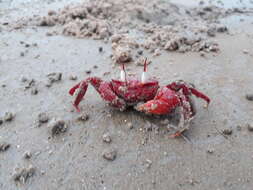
(163, 103)
(158, 107)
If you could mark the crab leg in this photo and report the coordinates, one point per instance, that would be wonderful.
(83, 88)
(106, 92)
(186, 115)
(103, 88)
(200, 95)
(188, 90)
(73, 89)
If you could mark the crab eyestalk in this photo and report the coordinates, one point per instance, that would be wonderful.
(144, 76)
(123, 73)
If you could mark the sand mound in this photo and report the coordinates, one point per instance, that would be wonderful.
(148, 24)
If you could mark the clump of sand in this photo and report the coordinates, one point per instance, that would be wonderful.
(148, 24)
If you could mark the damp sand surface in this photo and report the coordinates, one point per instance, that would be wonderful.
(138, 154)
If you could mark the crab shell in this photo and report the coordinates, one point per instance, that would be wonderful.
(134, 91)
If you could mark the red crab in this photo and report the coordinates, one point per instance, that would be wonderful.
(145, 95)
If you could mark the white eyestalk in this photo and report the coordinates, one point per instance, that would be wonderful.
(144, 73)
(143, 77)
(123, 74)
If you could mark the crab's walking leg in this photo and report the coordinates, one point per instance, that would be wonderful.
(188, 90)
(186, 114)
(82, 86)
(106, 92)
(200, 95)
(73, 89)
(103, 88)
(193, 107)
(82, 90)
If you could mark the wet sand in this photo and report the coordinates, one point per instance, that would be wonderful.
(146, 158)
